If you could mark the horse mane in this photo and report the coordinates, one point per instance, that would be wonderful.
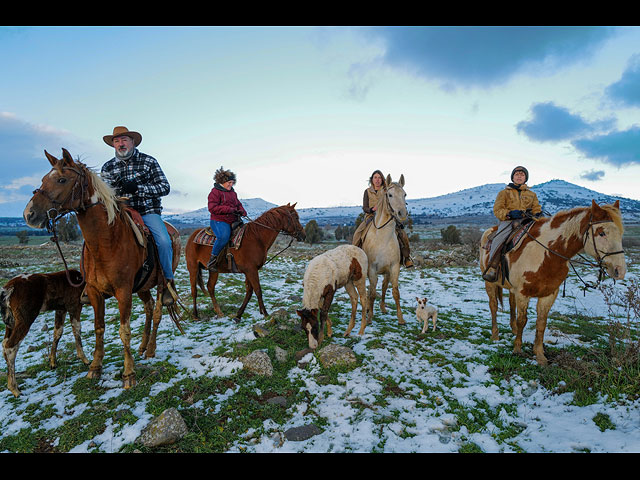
(571, 215)
(103, 192)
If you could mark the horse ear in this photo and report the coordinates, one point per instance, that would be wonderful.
(595, 207)
(66, 157)
(52, 160)
(294, 205)
(388, 181)
(401, 180)
(617, 204)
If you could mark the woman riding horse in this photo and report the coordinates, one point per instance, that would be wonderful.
(511, 205)
(225, 209)
(377, 187)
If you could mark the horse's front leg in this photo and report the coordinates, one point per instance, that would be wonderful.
(97, 302)
(247, 297)
(512, 313)
(10, 346)
(385, 284)
(124, 305)
(254, 278)
(395, 290)
(543, 307)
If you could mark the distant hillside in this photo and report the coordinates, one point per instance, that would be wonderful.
(554, 196)
(468, 204)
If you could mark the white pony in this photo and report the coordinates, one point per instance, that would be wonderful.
(344, 266)
(382, 247)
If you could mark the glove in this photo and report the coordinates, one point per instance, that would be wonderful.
(129, 186)
(515, 214)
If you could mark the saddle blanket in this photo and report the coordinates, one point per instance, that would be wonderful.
(207, 237)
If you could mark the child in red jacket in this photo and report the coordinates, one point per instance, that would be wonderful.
(225, 208)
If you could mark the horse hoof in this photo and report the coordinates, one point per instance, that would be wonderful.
(236, 319)
(128, 381)
(94, 373)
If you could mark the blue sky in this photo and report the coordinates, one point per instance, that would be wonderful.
(305, 114)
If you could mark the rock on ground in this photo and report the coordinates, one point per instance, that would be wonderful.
(165, 429)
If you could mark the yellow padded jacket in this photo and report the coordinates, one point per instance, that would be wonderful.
(513, 199)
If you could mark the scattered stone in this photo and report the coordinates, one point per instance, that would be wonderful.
(333, 354)
(281, 401)
(260, 331)
(298, 434)
(165, 429)
(278, 439)
(281, 355)
(302, 353)
(258, 362)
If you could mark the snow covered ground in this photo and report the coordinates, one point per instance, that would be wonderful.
(358, 413)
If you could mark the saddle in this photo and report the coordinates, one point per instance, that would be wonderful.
(207, 237)
(519, 228)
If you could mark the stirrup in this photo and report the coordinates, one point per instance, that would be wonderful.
(491, 275)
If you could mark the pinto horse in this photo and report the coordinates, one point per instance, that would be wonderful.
(258, 237)
(112, 253)
(382, 247)
(539, 265)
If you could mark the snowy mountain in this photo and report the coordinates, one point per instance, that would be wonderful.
(554, 196)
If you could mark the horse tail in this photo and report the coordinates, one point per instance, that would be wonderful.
(5, 309)
(200, 281)
(499, 295)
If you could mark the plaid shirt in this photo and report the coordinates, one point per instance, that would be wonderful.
(145, 171)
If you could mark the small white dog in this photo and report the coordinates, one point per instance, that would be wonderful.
(424, 312)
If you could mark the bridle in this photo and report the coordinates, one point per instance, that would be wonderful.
(282, 230)
(585, 261)
(58, 211)
(391, 211)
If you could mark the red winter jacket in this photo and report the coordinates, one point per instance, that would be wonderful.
(224, 205)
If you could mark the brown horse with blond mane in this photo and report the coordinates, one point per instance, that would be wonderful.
(540, 264)
(113, 254)
(249, 257)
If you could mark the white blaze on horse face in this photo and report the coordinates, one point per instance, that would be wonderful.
(608, 239)
(313, 343)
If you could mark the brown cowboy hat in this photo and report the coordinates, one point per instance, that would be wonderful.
(120, 131)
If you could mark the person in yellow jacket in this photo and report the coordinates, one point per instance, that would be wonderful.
(513, 203)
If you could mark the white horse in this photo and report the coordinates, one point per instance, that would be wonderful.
(382, 247)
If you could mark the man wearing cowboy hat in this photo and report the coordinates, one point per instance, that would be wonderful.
(138, 176)
(512, 204)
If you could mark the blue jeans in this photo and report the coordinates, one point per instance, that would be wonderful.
(165, 250)
(223, 232)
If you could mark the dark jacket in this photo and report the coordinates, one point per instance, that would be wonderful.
(224, 205)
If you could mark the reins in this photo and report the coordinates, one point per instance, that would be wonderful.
(53, 215)
(391, 212)
(275, 230)
(599, 258)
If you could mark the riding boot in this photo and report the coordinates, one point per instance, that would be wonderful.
(405, 252)
(212, 266)
(491, 274)
(167, 297)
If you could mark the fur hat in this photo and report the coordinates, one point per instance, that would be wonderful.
(223, 176)
(520, 169)
(121, 131)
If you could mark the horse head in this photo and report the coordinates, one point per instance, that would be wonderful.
(310, 325)
(292, 225)
(396, 197)
(603, 238)
(62, 190)
(69, 186)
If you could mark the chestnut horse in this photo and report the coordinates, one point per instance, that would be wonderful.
(112, 256)
(539, 265)
(258, 237)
